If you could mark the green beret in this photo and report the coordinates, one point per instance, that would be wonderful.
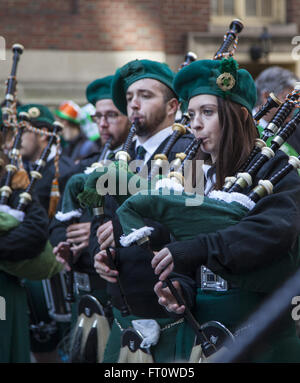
(99, 89)
(217, 77)
(134, 71)
(39, 115)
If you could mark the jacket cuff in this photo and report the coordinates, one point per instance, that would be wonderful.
(187, 255)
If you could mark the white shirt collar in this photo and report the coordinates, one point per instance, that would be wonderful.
(209, 181)
(153, 142)
(52, 153)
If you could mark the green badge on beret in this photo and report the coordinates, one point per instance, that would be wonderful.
(99, 89)
(134, 71)
(39, 114)
(220, 78)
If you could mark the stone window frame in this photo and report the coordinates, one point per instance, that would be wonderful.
(278, 14)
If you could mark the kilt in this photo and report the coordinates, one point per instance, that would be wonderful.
(14, 331)
(171, 346)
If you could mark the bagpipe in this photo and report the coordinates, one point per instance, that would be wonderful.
(217, 211)
(17, 180)
(92, 328)
(83, 188)
(92, 192)
(9, 110)
(10, 127)
(249, 170)
(284, 110)
(123, 176)
(44, 265)
(88, 333)
(205, 214)
(160, 205)
(54, 286)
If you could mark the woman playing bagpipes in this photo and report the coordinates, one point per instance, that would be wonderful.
(237, 258)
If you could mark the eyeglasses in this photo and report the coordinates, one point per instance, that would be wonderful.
(110, 117)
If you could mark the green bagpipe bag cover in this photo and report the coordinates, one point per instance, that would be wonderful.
(43, 266)
(187, 215)
(116, 180)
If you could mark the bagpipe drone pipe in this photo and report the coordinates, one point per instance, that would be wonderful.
(44, 265)
(9, 109)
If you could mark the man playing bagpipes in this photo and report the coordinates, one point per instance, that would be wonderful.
(143, 90)
(54, 174)
(33, 144)
(24, 254)
(255, 253)
(70, 230)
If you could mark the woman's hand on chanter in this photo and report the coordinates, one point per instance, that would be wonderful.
(162, 263)
(167, 299)
(101, 265)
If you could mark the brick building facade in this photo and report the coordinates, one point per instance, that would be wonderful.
(69, 43)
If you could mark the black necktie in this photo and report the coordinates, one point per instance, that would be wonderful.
(110, 156)
(140, 155)
(140, 152)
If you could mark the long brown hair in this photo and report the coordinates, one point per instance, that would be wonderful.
(237, 141)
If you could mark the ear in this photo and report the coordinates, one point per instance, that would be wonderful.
(172, 106)
(42, 140)
(264, 97)
(245, 113)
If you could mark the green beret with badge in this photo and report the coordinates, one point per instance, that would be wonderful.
(134, 71)
(39, 115)
(216, 77)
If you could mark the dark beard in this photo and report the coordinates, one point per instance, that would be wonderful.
(151, 125)
(142, 130)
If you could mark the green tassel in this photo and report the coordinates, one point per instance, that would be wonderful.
(229, 65)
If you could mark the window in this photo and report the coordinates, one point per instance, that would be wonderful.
(255, 12)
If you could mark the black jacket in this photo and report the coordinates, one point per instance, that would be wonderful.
(265, 235)
(29, 238)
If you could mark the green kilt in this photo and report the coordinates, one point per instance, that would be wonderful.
(232, 308)
(172, 344)
(14, 331)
